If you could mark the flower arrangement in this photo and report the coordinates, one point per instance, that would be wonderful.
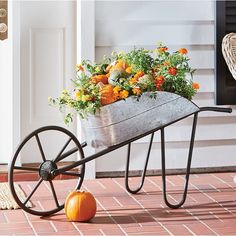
(127, 74)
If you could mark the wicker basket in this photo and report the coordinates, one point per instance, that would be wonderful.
(229, 52)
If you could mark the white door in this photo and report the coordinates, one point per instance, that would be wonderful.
(48, 58)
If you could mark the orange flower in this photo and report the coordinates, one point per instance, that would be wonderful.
(136, 91)
(166, 63)
(139, 73)
(159, 80)
(128, 69)
(136, 77)
(196, 86)
(133, 80)
(162, 49)
(172, 71)
(79, 67)
(183, 51)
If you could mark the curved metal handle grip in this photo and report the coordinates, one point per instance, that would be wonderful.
(216, 109)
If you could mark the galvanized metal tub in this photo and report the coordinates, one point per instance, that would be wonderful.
(126, 119)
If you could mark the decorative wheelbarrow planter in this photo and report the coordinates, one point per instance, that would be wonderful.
(116, 125)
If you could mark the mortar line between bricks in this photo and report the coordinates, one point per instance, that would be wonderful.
(30, 224)
(117, 201)
(102, 232)
(102, 185)
(222, 181)
(189, 230)
(201, 191)
(215, 216)
(111, 217)
(50, 222)
(192, 198)
(6, 218)
(53, 226)
(166, 210)
(140, 225)
(143, 208)
(218, 190)
(77, 228)
(202, 222)
(192, 214)
(173, 184)
(154, 184)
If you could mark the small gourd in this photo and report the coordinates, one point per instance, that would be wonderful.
(115, 76)
(99, 78)
(80, 206)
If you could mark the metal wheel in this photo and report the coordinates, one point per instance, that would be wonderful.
(43, 195)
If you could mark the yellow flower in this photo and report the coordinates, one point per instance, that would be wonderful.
(124, 94)
(136, 91)
(49, 99)
(85, 98)
(133, 80)
(117, 89)
(128, 69)
(78, 95)
(64, 91)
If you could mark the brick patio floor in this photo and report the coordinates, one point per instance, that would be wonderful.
(210, 209)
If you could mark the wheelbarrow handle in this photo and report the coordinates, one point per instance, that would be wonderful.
(217, 109)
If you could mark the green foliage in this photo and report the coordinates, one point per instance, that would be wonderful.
(139, 60)
(131, 73)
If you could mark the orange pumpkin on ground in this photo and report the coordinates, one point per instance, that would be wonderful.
(107, 95)
(80, 206)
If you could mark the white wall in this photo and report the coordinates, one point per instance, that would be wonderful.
(6, 94)
(122, 24)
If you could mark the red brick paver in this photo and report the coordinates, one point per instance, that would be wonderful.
(210, 208)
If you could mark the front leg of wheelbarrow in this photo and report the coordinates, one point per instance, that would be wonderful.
(175, 206)
(144, 169)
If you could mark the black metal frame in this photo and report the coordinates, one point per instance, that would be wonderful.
(49, 170)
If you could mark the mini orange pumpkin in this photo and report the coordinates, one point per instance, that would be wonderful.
(107, 95)
(80, 206)
(99, 78)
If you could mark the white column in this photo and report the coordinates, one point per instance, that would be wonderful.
(86, 50)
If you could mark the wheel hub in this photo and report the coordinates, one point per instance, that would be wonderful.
(46, 169)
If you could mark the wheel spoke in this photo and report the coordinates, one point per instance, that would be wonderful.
(35, 188)
(54, 193)
(40, 147)
(58, 158)
(71, 173)
(66, 154)
(26, 168)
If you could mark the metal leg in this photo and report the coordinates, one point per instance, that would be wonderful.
(144, 169)
(187, 169)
